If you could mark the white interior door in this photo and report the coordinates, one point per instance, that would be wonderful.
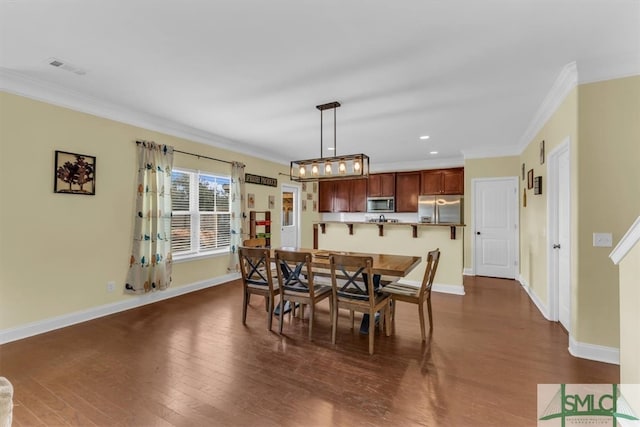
(290, 223)
(495, 226)
(560, 234)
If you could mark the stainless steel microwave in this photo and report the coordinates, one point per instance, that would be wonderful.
(381, 204)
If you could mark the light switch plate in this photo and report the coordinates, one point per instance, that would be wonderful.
(603, 240)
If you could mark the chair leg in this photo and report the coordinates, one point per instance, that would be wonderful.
(351, 318)
(311, 316)
(281, 312)
(245, 302)
(372, 330)
(334, 322)
(421, 315)
(393, 311)
(387, 320)
(266, 303)
(269, 312)
(430, 317)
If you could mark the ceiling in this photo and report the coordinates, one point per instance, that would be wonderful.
(248, 74)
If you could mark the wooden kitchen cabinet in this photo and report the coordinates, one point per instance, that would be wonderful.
(442, 181)
(382, 185)
(343, 195)
(325, 196)
(358, 199)
(407, 191)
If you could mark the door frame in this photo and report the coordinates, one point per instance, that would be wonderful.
(297, 189)
(553, 291)
(516, 232)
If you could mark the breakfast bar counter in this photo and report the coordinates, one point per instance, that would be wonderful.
(402, 238)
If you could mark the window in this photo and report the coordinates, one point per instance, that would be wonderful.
(201, 215)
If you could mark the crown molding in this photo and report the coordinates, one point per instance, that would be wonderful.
(566, 81)
(19, 84)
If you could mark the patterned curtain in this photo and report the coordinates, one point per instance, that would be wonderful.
(150, 262)
(237, 213)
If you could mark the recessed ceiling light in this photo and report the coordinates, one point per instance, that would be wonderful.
(433, 152)
(424, 137)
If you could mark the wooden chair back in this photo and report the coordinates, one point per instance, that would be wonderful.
(433, 258)
(351, 277)
(258, 242)
(255, 266)
(294, 272)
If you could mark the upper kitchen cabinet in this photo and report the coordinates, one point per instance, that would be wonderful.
(325, 196)
(358, 200)
(382, 185)
(442, 181)
(407, 190)
(343, 195)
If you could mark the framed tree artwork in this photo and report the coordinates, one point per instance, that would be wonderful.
(74, 173)
(530, 179)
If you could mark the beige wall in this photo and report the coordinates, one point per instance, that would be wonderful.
(629, 331)
(630, 318)
(533, 218)
(57, 251)
(482, 168)
(609, 176)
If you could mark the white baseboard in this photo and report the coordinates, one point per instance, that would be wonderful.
(46, 325)
(577, 349)
(532, 295)
(595, 352)
(438, 287)
(468, 272)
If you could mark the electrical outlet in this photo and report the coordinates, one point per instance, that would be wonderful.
(111, 286)
(602, 240)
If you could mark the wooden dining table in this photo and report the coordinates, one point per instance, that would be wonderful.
(383, 264)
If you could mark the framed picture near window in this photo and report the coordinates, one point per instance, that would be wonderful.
(542, 152)
(74, 173)
(523, 174)
(530, 179)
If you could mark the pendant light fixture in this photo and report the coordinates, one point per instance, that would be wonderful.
(330, 168)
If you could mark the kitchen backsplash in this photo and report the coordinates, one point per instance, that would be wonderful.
(364, 217)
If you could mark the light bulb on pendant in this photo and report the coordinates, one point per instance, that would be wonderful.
(356, 165)
(342, 167)
(302, 171)
(314, 169)
(327, 168)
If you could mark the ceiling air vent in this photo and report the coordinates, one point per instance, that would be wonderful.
(59, 63)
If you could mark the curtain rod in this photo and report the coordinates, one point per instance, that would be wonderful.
(196, 155)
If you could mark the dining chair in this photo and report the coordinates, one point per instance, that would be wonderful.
(258, 279)
(296, 284)
(257, 242)
(414, 295)
(353, 289)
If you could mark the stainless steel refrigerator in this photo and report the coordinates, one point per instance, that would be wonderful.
(441, 209)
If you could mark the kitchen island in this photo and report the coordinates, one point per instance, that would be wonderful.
(402, 238)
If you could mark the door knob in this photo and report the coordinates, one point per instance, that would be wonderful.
(478, 233)
(556, 246)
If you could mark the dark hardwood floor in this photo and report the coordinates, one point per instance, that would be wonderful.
(189, 361)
